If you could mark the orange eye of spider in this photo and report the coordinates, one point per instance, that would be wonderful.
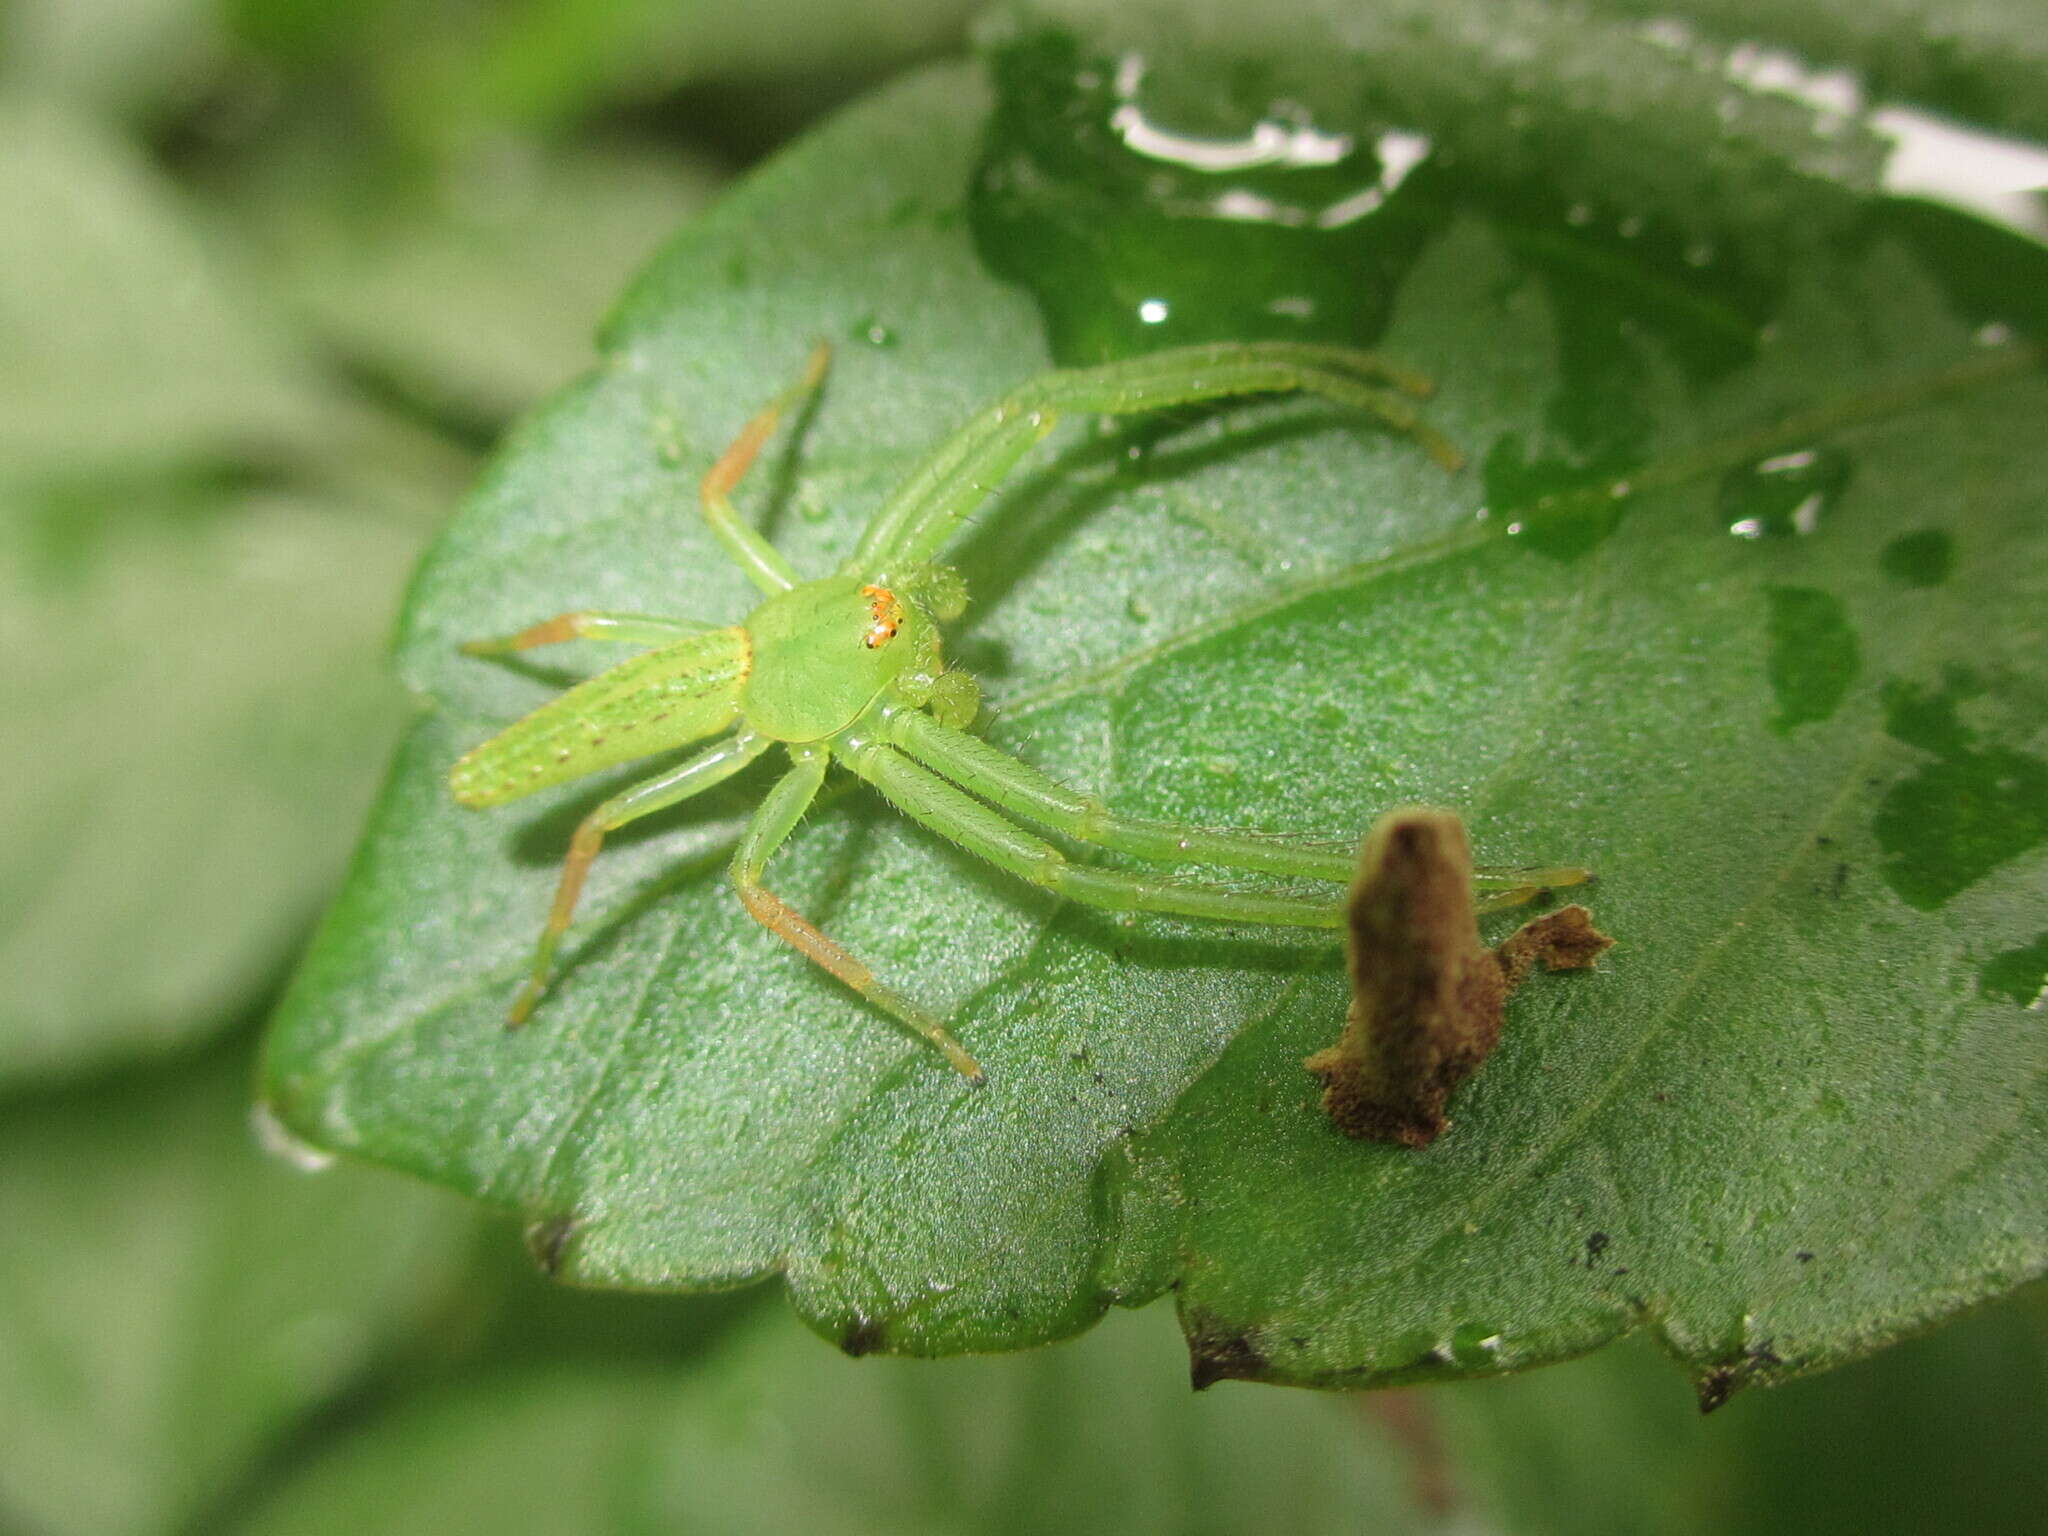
(885, 616)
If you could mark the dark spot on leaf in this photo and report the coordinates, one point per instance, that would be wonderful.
(862, 1336)
(1803, 1256)
(1426, 996)
(1715, 1388)
(1722, 1381)
(1976, 807)
(1840, 882)
(1596, 1244)
(1219, 1352)
(1813, 658)
(547, 1240)
(2020, 974)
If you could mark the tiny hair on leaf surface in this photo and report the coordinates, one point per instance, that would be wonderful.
(1262, 615)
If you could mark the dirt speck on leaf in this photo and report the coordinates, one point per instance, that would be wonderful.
(1427, 997)
(548, 1239)
(861, 1336)
(1219, 1352)
(1722, 1381)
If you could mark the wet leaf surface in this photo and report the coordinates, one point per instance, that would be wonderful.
(1786, 1120)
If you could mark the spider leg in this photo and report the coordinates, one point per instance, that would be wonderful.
(962, 470)
(764, 566)
(691, 777)
(1024, 792)
(949, 811)
(589, 624)
(772, 824)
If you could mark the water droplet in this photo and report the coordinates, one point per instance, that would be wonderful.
(1976, 806)
(1995, 334)
(1783, 496)
(873, 332)
(278, 1142)
(2019, 974)
(1152, 201)
(1475, 1344)
(1814, 655)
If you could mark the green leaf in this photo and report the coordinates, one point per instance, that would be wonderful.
(1788, 1119)
(171, 1303)
(193, 680)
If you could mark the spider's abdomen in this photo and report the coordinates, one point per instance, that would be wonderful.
(822, 652)
(665, 698)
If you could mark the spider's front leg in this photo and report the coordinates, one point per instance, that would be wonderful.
(772, 824)
(962, 471)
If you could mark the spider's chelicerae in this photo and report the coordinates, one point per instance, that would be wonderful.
(848, 668)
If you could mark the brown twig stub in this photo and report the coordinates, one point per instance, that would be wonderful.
(1427, 998)
(1564, 940)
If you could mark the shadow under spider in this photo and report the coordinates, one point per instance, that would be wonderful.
(1046, 506)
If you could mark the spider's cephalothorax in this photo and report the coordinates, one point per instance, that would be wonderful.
(827, 652)
(849, 668)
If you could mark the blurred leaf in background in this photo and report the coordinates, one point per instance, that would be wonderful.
(170, 1305)
(1101, 1434)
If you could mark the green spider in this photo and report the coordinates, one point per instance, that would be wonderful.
(849, 669)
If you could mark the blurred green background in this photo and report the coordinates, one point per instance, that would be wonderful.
(274, 277)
